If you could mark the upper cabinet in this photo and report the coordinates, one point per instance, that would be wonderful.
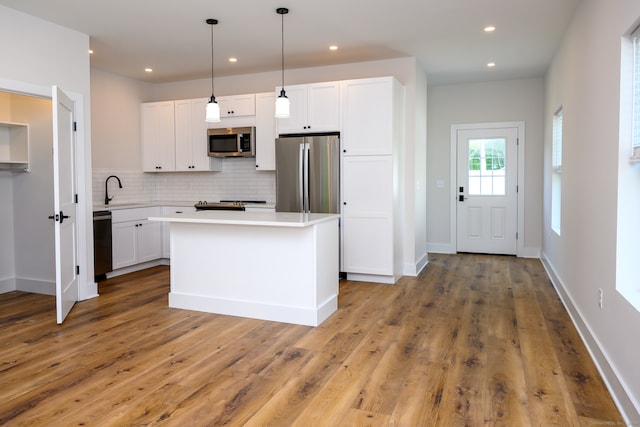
(158, 137)
(265, 131)
(14, 147)
(314, 108)
(191, 137)
(174, 137)
(237, 105)
(368, 106)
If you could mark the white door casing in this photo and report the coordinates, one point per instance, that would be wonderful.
(487, 190)
(65, 209)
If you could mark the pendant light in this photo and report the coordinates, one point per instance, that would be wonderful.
(282, 102)
(213, 109)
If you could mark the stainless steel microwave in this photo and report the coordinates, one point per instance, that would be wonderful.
(232, 142)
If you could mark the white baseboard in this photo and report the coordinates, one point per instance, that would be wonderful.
(375, 278)
(36, 286)
(310, 316)
(615, 383)
(440, 248)
(136, 267)
(7, 285)
(415, 269)
(529, 253)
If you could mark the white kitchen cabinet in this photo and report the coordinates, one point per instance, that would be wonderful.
(134, 238)
(314, 108)
(367, 213)
(14, 147)
(169, 210)
(191, 137)
(371, 136)
(237, 105)
(158, 137)
(369, 109)
(265, 132)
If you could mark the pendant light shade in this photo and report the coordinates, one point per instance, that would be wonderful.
(283, 106)
(283, 110)
(213, 109)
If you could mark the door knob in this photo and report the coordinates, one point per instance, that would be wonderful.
(63, 217)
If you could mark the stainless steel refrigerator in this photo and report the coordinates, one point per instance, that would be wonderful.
(308, 173)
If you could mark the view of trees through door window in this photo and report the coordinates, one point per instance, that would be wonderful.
(487, 167)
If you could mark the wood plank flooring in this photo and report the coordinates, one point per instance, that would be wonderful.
(475, 340)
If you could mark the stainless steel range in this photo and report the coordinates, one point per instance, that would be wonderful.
(226, 205)
(219, 206)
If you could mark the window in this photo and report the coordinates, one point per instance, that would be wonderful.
(487, 167)
(635, 37)
(556, 171)
(628, 212)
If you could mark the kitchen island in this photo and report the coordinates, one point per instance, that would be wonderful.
(266, 265)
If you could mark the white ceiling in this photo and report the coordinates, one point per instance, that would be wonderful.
(446, 36)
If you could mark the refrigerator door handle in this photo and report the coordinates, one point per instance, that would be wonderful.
(301, 174)
(305, 166)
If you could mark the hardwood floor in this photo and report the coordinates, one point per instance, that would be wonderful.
(474, 340)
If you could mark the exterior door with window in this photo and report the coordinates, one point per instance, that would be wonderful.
(487, 190)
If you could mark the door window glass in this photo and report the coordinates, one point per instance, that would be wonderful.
(487, 167)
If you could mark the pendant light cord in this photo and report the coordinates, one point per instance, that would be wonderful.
(212, 91)
(282, 44)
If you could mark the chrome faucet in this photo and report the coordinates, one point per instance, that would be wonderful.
(106, 188)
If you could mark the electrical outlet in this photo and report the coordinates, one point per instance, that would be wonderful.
(600, 295)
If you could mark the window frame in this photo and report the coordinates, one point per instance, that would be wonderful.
(557, 129)
(635, 96)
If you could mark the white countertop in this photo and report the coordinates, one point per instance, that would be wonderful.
(133, 205)
(269, 219)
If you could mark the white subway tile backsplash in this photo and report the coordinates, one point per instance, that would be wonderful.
(238, 181)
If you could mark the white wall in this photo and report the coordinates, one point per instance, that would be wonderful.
(7, 258)
(37, 54)
(115, 120)
(585, 79)
(118, 93)
(32, 194)
(502, 101)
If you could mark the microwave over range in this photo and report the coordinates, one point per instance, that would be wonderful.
(232, 142)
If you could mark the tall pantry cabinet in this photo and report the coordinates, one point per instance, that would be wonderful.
(372, 131)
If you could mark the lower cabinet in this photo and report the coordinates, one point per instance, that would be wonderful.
(134, 238)
(369, 244)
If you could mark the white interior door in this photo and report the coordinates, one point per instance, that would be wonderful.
(64, 196)
(487, 190)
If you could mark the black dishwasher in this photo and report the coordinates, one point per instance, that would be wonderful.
(102, 258)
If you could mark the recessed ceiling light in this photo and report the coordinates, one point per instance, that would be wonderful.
(148, 70)
(333, 47)
(491, 64)
(489, 29)
(90, 51)
(233, 59)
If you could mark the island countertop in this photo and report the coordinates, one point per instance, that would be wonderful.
(268, 219)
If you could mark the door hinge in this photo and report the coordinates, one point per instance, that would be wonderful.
(76, 198)
(77, 269)
(518, 141)
(516, 235)
(517, 191)
(75, 126)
